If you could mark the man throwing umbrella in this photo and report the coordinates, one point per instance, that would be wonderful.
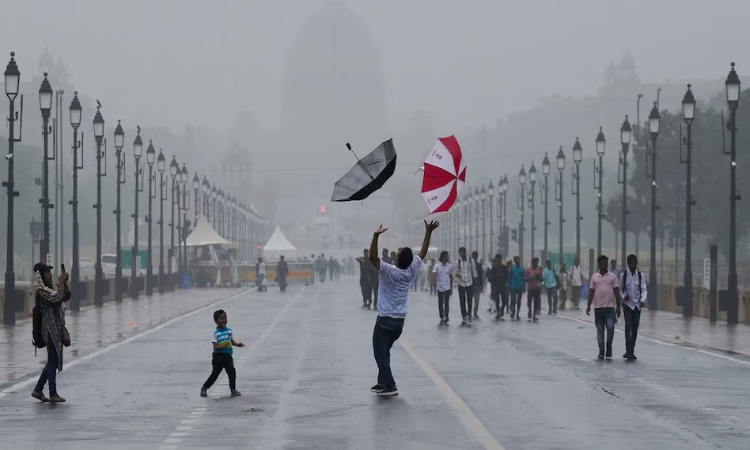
(393, 303)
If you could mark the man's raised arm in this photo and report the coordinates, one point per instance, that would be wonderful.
(428, 229)
(374, 258)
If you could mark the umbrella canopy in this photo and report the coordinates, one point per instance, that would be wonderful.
(444, 175)
(368, 175)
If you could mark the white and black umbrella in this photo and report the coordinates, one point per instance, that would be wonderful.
(368, 175)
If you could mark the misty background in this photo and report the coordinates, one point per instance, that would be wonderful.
(261, 97)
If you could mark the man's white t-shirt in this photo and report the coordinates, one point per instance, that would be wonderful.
(262, 268)
(393, 288)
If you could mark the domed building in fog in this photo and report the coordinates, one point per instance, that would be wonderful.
(333, 89)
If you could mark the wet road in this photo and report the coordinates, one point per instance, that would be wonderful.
(306, 373)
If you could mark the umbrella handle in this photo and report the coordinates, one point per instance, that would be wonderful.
(359, 161)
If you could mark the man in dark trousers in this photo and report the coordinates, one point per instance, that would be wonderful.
(497, 276)
(282, 270)
(634, 290)
(365, 279)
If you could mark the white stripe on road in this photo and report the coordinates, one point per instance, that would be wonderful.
(108, 349)
(462, 410)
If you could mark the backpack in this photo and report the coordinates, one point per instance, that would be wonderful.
(37, 338)
(623, 276)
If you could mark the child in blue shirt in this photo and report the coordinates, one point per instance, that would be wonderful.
(222, 356)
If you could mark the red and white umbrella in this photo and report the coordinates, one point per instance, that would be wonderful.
(444, 175)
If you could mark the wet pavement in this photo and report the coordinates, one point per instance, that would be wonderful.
(306, 373)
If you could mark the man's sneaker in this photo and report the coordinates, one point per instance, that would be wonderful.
(442, 321)
(631, 357)
(463, 322)
(236, 393)
(625, 356)
(56, 399)
(377, 388)
(469, 320)
(39, 396)
(389, 391)
(446, 321)
(498, 316)
(204, 392)
(502, 313)
(530, 311)
(535, 319)
(476, 316)
(609, 354)
(601, 355)
(554, 311)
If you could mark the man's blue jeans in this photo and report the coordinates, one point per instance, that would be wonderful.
(387, 331)
(605, 317)
(49, 373)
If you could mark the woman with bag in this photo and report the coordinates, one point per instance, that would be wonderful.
(50, 301)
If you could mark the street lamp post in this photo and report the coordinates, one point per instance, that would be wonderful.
(688, 114)
(161, 163)
(206, 189)
(626, 133)
(12, 78)
(150, 159)
(119, 143)
(174, 168)
(559, 193)
(491, 193)
(577, 157)
(504, 215)
(45, 104)
(654, 121)
(733, 99)
(532, 192)
(483, 197)
(522, 206)
(75, 121)
(601, 147)
(138, 187)
(196, 186)
(214, 195)
(543, 194)
(185, 222)
(477, 205)
(100, 154)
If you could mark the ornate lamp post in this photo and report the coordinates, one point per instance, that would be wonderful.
(532, 179)
(577, 157)
(196, 186)
(559, 194)
(491, 193)
(75, 122)
(522, 206)
(161, 163)
(626, 133)
(100, 154)
(214, 196)
(504, 215)
(12, 78)
(476, 205)
(544, 194)
(119, 144)
(733, 99)
(601, 146)
(45, 104)
(206, 189)
(185, 224)
(174, 169)
(483, 199)
(134, 259)
(150, 159)
(688, 114)
(654, 120)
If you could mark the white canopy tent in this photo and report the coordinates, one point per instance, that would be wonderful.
(279, 245)
(204, 235)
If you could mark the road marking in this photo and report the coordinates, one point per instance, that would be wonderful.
(462, 410)
(108, 349)
(198, 412)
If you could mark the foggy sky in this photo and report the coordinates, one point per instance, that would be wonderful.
(469, 62)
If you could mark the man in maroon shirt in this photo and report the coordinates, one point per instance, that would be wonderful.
(534, 289)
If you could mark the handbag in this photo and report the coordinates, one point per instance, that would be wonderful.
(65, 337)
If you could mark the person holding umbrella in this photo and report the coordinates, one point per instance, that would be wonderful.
(393, 304)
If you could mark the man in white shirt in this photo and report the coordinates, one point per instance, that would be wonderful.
(260, 270)
(393, 303)
(467, 271)
(443, 279)
(576, 282)
(633, 286)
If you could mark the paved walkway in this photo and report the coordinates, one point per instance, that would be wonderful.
(692, 332)
(93, 328)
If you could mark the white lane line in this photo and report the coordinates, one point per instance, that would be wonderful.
(108, 349)
(470, 420)
(667, 344)
(198, 412)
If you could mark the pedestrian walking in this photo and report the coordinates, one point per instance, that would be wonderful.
(433, 281)
(222, 341)
(550, 278)
(424, 274)
(534, 278)
(442, 274)
(604, 294)
(50, 305)
(478, 282)
(562, 288)
(614, 269)
(282, 270)
(260, 274)
(576, 283)
(497, 276)
(466, 274)
(394, 303)
(331, 269)
(634, 289)
(365, 279)
(516, 285)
